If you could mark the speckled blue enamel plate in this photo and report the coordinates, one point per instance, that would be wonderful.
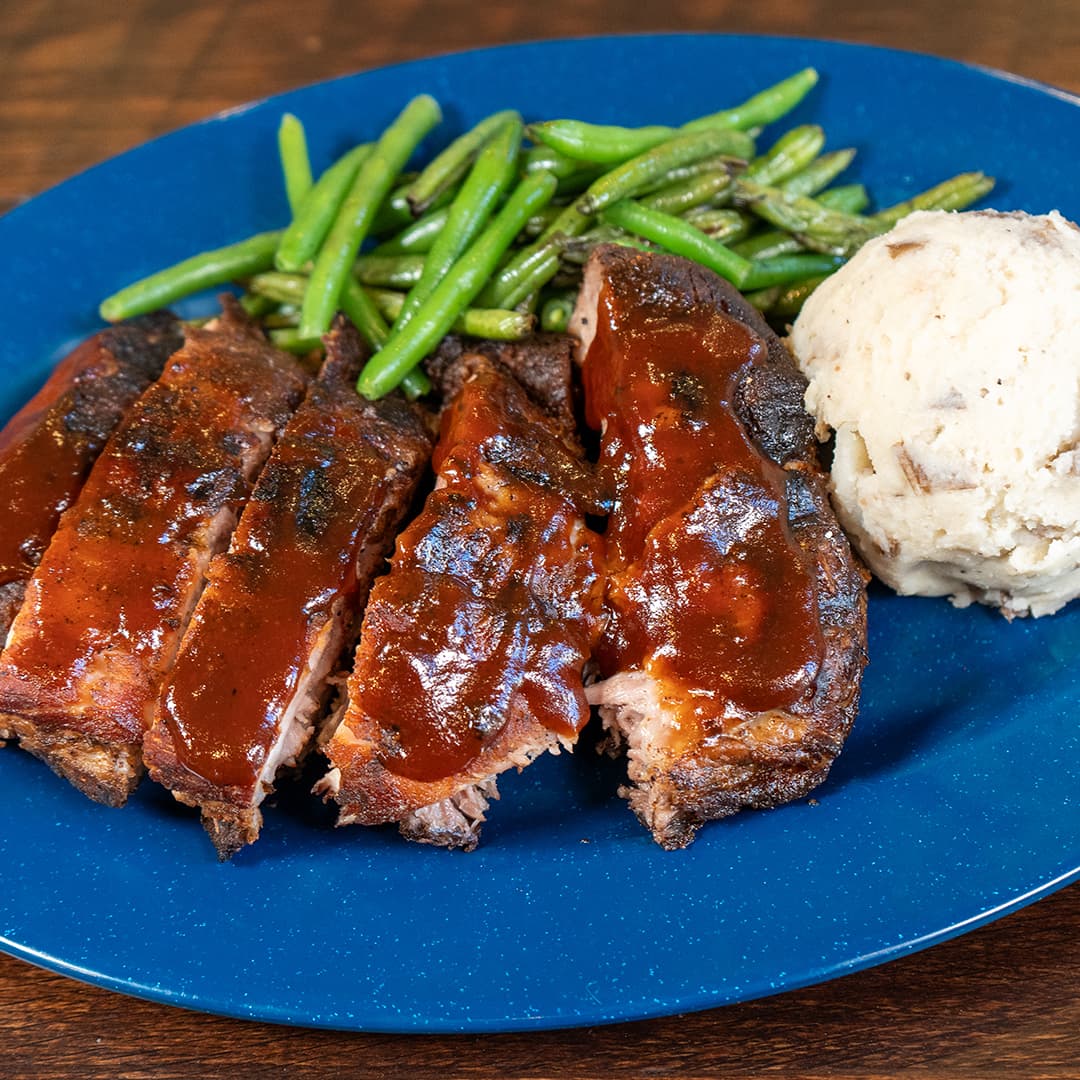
(954, 802)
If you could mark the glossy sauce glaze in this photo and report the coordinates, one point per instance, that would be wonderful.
(337, 483)
(106, 607)
(492, 605)
(47, 448)
(708, 591)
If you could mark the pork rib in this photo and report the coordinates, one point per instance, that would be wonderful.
(107, 605)
(473, 647)
(252, 678)
(733, 653)
(48, 446)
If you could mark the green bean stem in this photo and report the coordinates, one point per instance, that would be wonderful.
(448, 167)
(353, 222)
(457, 289)
(295, 163)
(679, 237)
(240, 260)
(312, 221)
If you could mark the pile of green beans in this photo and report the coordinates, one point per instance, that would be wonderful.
(490, 237)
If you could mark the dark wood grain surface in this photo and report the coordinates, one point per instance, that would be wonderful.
(83, 81)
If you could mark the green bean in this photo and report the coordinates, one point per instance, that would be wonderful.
(682, 195)
(257, 306)
(556, 312)
(539, 223)
(720, 163)
(372, 184)
(312, 221)
(544, 159)
(790, 154)
(634, 175)
(241, 260)
(359, 305)
(417, 238)
(604, 144)
(456, 291)
(957, 193)
(679, 237)
(278, 287)
(847, 198)
(529, 270)
(819, 174)
(392, 271)
(493, 323)
(783, 269)
(727, 226)
(295, 164)
(815, 225)
(291, 340)
(763, 299)
(612, 145)
(491, 175)
(791, 299)
(447, 168)
(763, 108)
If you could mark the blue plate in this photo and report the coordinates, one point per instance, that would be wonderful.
(954, 802)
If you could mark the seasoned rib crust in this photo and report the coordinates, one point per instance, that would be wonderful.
(48, 446)
(542, 365)
(745, 758)
(253, 675)
(473, 646)
(108, 604)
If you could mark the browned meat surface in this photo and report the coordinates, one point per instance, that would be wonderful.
(48, 446)
(735, 641)
(251, 681)
(542, 365)
(107, 605)
(473, 647)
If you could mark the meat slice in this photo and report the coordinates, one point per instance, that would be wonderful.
(106, 607)
(253, 674)
(736, 633)
(473, 647)
(47, 448)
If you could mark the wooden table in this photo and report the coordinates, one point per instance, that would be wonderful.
(85, 81)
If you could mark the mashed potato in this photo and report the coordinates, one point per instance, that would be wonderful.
(945, 357)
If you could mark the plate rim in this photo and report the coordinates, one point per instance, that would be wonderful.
(686, 1003)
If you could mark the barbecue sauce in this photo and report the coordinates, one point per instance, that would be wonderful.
(47, 448)
(105, 609)
(492, 606)
(288, 586)
(708, 591)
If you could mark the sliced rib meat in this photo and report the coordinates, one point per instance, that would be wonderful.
(106, 607)
(733, 653)
(252, 678)
(473, 647)
(48, 446)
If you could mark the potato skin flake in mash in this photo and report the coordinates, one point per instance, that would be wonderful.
(945, 357)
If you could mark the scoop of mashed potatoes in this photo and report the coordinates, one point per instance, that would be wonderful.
(945, 358)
